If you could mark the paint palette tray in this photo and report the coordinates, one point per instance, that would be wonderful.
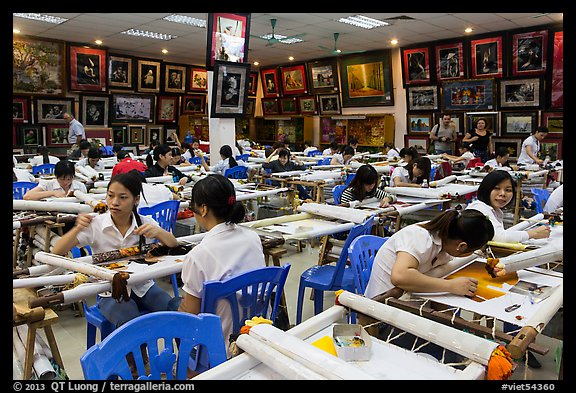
(352, 342)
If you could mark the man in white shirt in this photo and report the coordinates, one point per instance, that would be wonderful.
(76, 130)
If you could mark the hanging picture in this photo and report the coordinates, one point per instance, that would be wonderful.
(468, 94)
(520, 93)
(168, 109)
(94, 111)
(154, 133)
(251, 106)
(193, 104)
(51, 110)
(253, 83)
(323, 76)
(227, 38)
(490, 118)
(30, 135)
(99, 136)
(422, 98)
(229, 90)
(367, 79)
(87, 68)
(420, 143)
(487, 57)
(329, 104)
(198, 79)
(57, 135)
(514, 123)
(293, 79)
(148, 76)
(529, 53)
(20, 109)
(419, 123)
(270, 87)
(136, 133)
(120, 71)
(554, 121)
(174, 78)
(450, 61)
(288, 106)
(270, 106)
(512, 146)
(416, 66)
(134, 108)
(550, 147)
(307, 105)
(37, 66)
(119, 135)
(557, 88)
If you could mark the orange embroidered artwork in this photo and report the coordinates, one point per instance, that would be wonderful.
(485, 282)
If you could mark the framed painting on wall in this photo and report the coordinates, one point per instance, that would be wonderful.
(198, 79)
(228, 36)
(487, 57)
(307, 105)
(174, 78)
(529, 53)
(512, 145)
(471, 94)
(521, 93)
(87, 68)
(270, 87)
(323, 76)
(416, 66)
(270, 106)
(229, 89)
(98, 136)
(251, 106)
(550, 147)
(457, 120)
(154, 133)
(422, 98)
(294, 79)
(329, 104)
(554, 121)
(51, 110)
(253, 83)
(119, 134)
(450, 61)
(136, 134)
(288, 106)
(367, 79)
(94, 111)
(37, 66)
(148, 76)
(420, 143)
(29, 135)
(168, 109)
(57, 135)
(194, 104)
(120, 71)
(514, 123)
(418, 123)
(557, 89)
(491, 119)
(136, 108)
(20, 110)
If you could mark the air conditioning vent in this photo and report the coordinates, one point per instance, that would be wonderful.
(401, 17)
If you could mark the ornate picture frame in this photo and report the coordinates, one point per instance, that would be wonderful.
(308, 105)
(416, 66)
(51, 110)
(251, 106)
(98, 135)
(148, 76)
(419, 123)
(30, 135)
(168, 109)
(228, 38)
(154, 132)
(469, 94)
(270, 106)
(21, 109)
(512, 145)
(289, 106)
(194, 104)
(57, 135)
(554, 121)
(87, 68)
(329, 104)
(253, 83)
(136, 134)
(551, 147)
(175, 78)
(119, 135)
(323, 76)
(229, 89)
(120, 75)
(514, 123)
(420, 142)
(94, 110)
(132, 108)
(450, 61)
(198, 79)
(529, 53)
(492, 121)
(422, 98)
(270, 85)
(487, 57)
(521, 93)
(294, 79)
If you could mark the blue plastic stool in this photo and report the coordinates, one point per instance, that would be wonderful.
(19, 188)
(44, 169)
(237, 172)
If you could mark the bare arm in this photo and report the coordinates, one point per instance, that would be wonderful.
(399, 183)
(70, 239)
(37, 193)
(204, 165)
(190, 304)
(469, 138)
(155, 232)
(528, 151)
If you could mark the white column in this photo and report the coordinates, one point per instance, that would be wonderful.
(222, 131)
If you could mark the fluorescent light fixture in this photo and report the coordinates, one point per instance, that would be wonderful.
(185, 20)
(41, 17)
(149, 34)
(363, 21)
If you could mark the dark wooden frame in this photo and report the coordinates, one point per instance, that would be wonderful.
(556, 141)
(323, 111)
(424, 138)
(251, 106)
(319, 67)
(253, 83)
(78, 64)
(441, 59)
(518, 55)
(100, 133)
(154, 127)
(452, 90)
(115, 102)
(414, 131)
(305, 111)
(198, 79)
(175, 105)
(113, 60)
(295, 71)
(64, 129)
(510, 94)
(144, 66)
(553, 129)
(186, 99)
(223, 74)
(499, 141)
(66, 103)
(23, 113)
(23, 128)
(267, 74)
(415, 92)
(474, 48)
(141, 129)
(214, 42)
(506, 126)
(119, 135)
(407, 56)
(492, 121)
(183, 72)
(104, 106)
(266, 110)
(285, 101)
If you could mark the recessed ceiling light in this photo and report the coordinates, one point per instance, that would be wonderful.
(291, 58)
(164, 51)
(468, 30)
(149, 34)
(15, 31)
(41, 17)
(363, 21)
(256, 63)
(394, 41)
(98, 42)
(185, 20)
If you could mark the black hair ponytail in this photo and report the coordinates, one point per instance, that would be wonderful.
(218, 194)
(226, 152)
(470, 226)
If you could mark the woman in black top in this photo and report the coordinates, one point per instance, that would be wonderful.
(481, 140)
(163, 166)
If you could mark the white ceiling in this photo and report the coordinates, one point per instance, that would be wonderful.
(190, 45)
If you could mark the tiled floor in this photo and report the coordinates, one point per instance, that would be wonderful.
(70, 331)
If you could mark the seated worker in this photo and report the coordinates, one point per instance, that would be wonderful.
(460, 162)
(284, 164)
(227, 161)
(391, 152)
(92, 160)
(500, 161)
(331, 150)
(59, 187)
(151, 147)
(343, 158)
(127, 163)
(43, 157)
(163, 166)
(364, 186)
(22, 175)
(177, 158)
(353, 143)
(192, 150)
(411, 175)
(82, 151)
(308, 147)
(407, 154)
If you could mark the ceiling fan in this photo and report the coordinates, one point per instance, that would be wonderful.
(273, 39)
(336, 51)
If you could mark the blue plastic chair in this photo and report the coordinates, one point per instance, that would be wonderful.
(337, 193)
(19, 188)
(44, 169)
(107, 150)
(196, 160)
(237, 172)
(169, 337)
(540, 196)
(314, 153)
(324, 161)
(349, 178)
(362, 251)
(242, 157)
(330, 277)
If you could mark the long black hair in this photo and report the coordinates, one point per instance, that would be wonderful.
(218, 194)
(64, 168)
(161, 149)
(43, 151)
(226, 152)
(366, 174)
(422, 163)
(132, 181)
(490, 181)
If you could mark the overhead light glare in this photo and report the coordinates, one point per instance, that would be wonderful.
(468, 30)
(149, 34)
(41, 17)
(185, 20)
(394, 41)
(363, 21)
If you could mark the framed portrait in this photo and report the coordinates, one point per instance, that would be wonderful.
(20, 109)
(367, 79)
(323, 76)
(87, 68)
(148, 76)
(136, 134)
(253, 83)
(227, 38)
(120, 71)
(229, 89)
(133, 108)
(557, 88)
(520, 93)
(194, 104)
(456, 117)
(154, 133)
(512, 145)
(487, 57)
(420, 143)
(554, 121)
(251, 106)
(37, 66)
(416, 66)
(289, 106)
(514, 123)
(450, 61)
(57, 135)
(329, 104)
(294, 79)
(307, 105)
(550, 147)
(270, 106)
(51, 110)
(119, 135)
(471, 94)
(198, 79)
(422, 98)
(419, 123)
(174, 78)
(99, 136)
(94, 111)
(491, 118)
(168, 109)
(169, 133)
(270, 87)
(30, 135)
(529, 53)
